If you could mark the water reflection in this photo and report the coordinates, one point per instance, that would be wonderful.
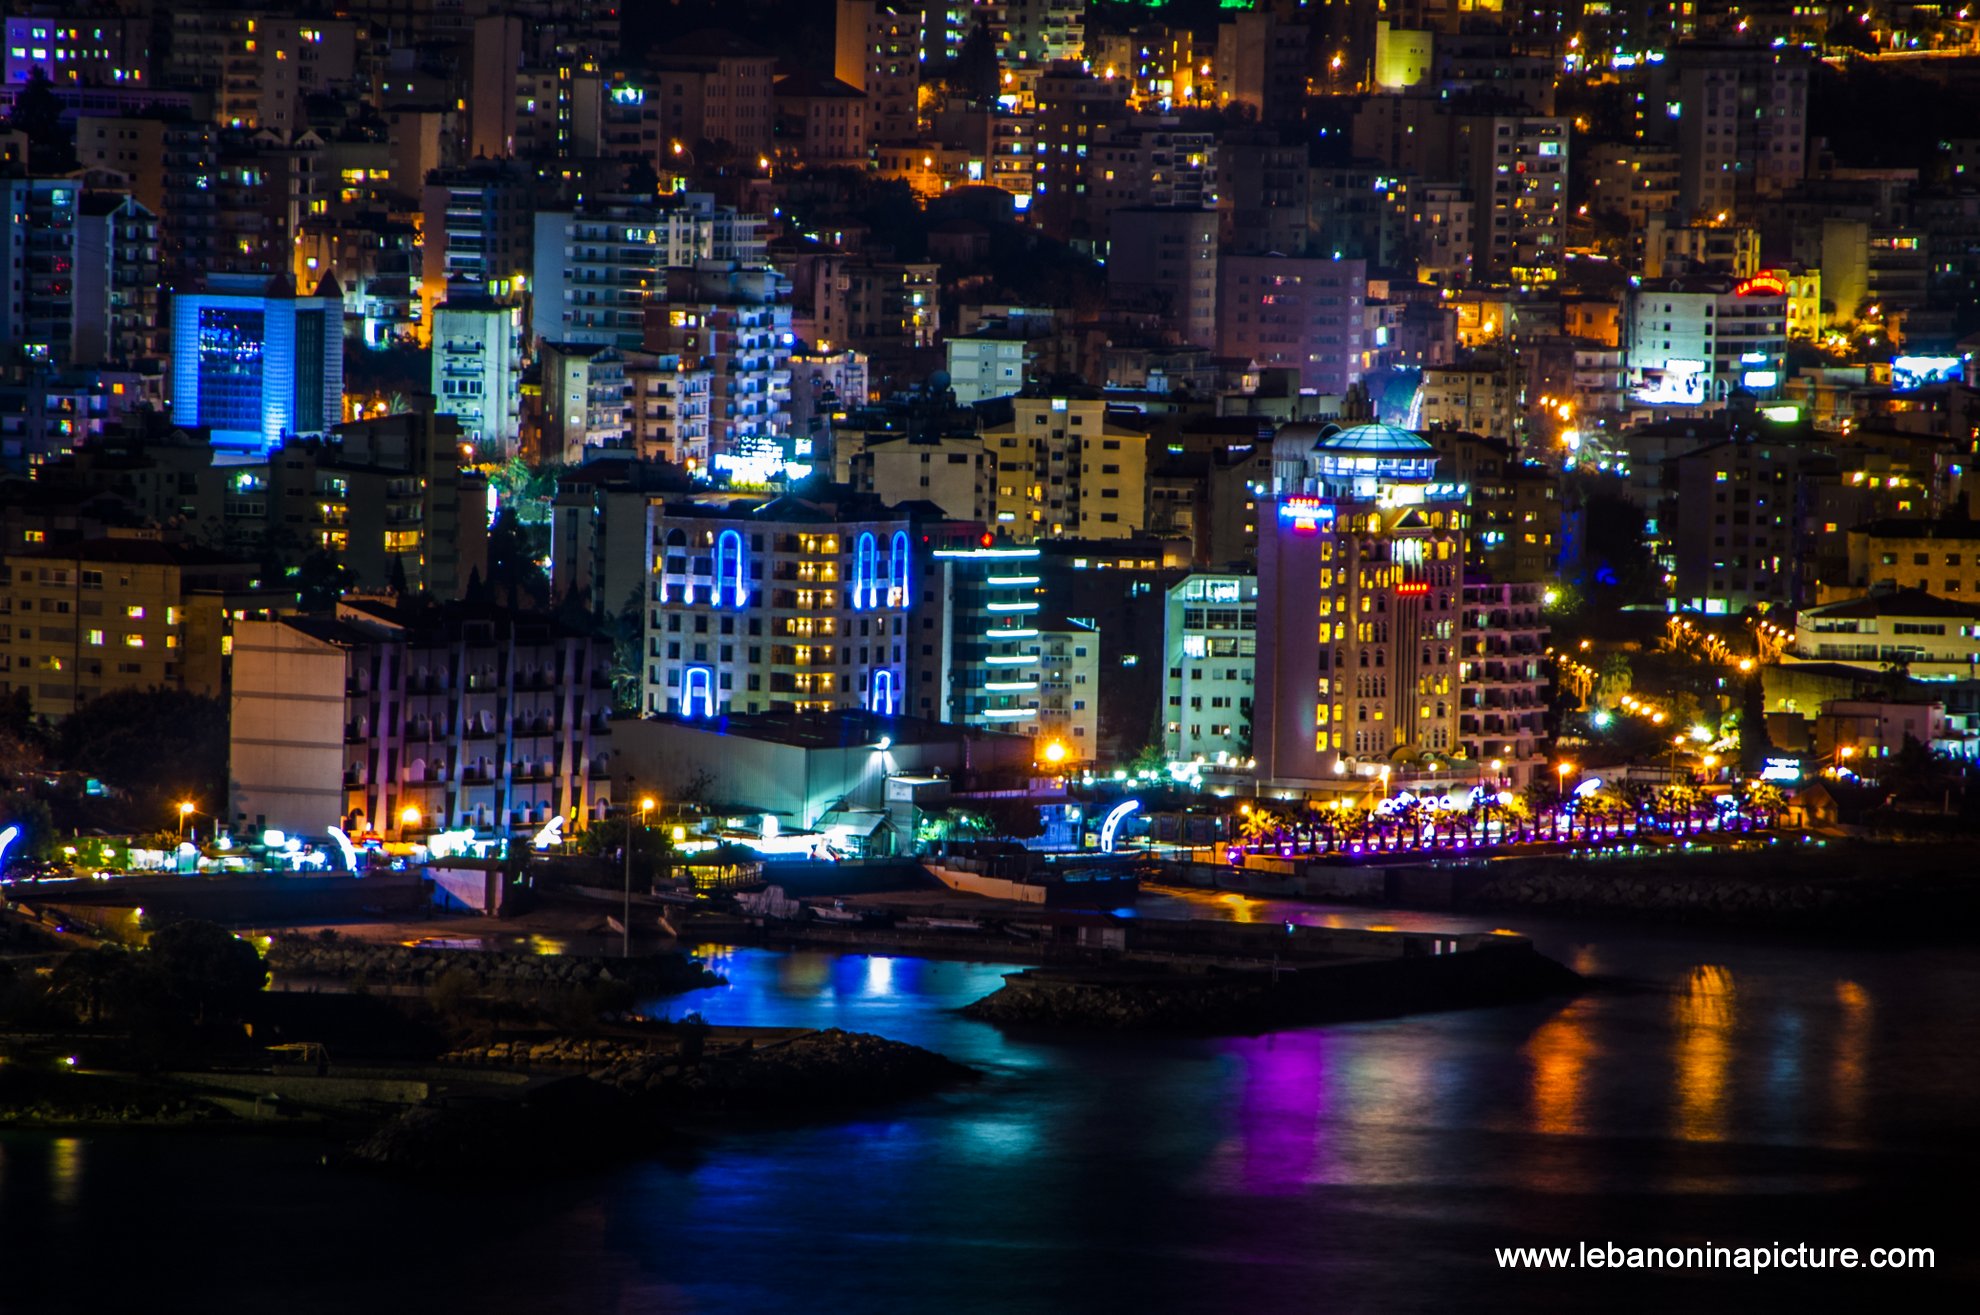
(1560, 1052)
(1852, 1050)
(65, 1171)
(1276, 1140)
(1703, 1014)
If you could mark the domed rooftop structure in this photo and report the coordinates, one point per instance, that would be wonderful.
(1372, 438)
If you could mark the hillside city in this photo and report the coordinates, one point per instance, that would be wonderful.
(448, 423)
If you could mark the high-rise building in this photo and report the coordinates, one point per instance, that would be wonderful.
(402, 720)
(586, 400)
(84, 285)
(98, 49)
(1360, 573)
(976, 653)
(713, 86)
(1037, 32)
(1306, 314)
(1694, 340)
(736, 322)
(599, 266)
(1165, 261)
(1067, 467)
(1518, 168)
(1740, 115)
(116, 286)
(1502, 705)
(127, 612)
(876, 305)
(477, 368)
(478, 226)
(878, 51)
(778, 604)
(1210, 656)
(254, 363)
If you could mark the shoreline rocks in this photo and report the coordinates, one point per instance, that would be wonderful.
(1241, 1002)
(647, 974)
(599, 1117)
(826, 1070)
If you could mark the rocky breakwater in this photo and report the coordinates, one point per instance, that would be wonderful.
(137, 1110)
(829, 1070)
(1209, 999)
(423, 966)
(631, 1104)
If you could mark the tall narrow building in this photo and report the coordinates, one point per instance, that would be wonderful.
(1360, 579)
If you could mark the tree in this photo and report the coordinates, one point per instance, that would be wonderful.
(1615, 681)
(38, 116)
(205, 968)
(628, 653)
(87, 978)
(1259, 826)
(515, 551)
(321, 579)
(161, 745)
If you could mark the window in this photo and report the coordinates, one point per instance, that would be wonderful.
(134, 612)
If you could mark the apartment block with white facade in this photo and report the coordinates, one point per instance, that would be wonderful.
(1210, 654)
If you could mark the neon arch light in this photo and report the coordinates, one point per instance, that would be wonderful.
(699, 683)
(897, 570)
(866, 569)
(883, 694)
(730, 564)
(1112, 824)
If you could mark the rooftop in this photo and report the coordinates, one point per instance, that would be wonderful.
(1896, 602)
(1372, 438)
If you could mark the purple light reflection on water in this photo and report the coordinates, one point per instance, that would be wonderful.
(1280, 1126)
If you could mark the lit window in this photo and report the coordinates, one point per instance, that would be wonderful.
(96, 638)
(133, 641)
(134, 612)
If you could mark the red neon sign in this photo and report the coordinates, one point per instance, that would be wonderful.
(1761, 285)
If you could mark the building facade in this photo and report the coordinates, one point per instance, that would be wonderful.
(1360, 573)
(776, 604)
(1210, 652)
(404, 722)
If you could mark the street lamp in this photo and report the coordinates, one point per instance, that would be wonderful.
(408, 819)
(186, 810)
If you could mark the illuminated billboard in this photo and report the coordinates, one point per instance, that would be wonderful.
(1917, 371)
(1679, 383)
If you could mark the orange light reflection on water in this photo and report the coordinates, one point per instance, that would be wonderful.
(1560, 1052)
(1852, 1051)
(1703, 1016)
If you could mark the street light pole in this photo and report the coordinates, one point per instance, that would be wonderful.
(625, 922)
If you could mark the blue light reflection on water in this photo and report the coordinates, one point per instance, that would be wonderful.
(1725, 1088)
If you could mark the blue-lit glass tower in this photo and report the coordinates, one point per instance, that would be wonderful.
(254, 363)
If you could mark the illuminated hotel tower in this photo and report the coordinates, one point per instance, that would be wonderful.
(1360, 577)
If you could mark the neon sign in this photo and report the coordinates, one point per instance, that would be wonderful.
(1306, 514)
(1760, 285)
